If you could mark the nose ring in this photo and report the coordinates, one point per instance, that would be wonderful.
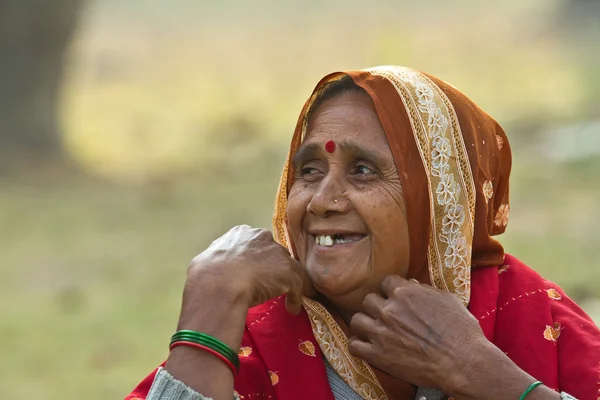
(335, 201)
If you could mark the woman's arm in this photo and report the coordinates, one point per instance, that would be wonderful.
(215, 309)
(243, 268)
(490, 374)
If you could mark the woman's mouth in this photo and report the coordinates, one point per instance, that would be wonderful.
(338, 239)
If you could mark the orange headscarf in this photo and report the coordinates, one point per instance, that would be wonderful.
(450, 155)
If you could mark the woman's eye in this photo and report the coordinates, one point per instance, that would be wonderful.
(363, 170)
(309, 171)
(310, 174)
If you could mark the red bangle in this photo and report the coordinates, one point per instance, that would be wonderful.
(208, 350)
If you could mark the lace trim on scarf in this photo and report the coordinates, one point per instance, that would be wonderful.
(451, 185)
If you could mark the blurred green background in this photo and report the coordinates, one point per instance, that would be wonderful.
(133, 132)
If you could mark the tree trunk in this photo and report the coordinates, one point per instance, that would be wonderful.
(34, 37)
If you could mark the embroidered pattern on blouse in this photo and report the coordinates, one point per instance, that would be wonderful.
(307, 348)
(266, 314)
(512, 299)
(244, 351)
(274, 378)
(552, 333)
(553, 294)
(451, 186)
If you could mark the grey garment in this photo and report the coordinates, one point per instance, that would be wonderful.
(165, 387)
(342, 391)
(429, 394)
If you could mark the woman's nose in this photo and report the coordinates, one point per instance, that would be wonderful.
(329, 198)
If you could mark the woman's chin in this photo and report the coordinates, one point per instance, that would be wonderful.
(333, 285)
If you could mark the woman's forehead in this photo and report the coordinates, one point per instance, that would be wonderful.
(349, 118)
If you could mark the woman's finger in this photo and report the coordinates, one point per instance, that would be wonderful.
(293, 299)
(361, 349)
(372, 304)
(362, 325)
(391, 283)
(307, 287)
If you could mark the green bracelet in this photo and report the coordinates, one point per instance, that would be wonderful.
(203, 339)
(529, 389)
(208, 341)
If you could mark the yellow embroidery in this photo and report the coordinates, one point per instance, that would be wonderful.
(488, 190)
(274, 378)
(552, 333)
(307, 348)
(334, 345)
(502, 215)
(553, 294)
(503, 269)
(245, 351)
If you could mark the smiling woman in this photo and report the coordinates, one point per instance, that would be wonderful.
(382, 249)
(343, 207)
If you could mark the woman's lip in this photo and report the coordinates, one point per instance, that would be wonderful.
(331, 232)
(336, 246)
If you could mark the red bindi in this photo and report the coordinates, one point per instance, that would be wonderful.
(330, 146)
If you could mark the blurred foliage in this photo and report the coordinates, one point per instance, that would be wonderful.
(179, 116)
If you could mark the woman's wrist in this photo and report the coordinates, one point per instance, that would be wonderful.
(487, 374)
(214, 307)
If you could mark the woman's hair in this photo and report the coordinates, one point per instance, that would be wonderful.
(333, 89)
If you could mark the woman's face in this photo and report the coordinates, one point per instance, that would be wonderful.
(345, 208)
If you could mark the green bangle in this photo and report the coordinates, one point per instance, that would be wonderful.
(203, 339)
(529, 389)
(208, 341)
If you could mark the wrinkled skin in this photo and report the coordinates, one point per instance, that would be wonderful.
(415, 332)
(249, 258)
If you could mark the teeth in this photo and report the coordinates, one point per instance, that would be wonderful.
(337, 241)
(327, 240)
(324, 240)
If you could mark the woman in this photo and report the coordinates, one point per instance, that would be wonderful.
(394, 186)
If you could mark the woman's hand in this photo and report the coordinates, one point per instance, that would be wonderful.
(418, 334)
(247, 262)
(427, 337)
(242, 268)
